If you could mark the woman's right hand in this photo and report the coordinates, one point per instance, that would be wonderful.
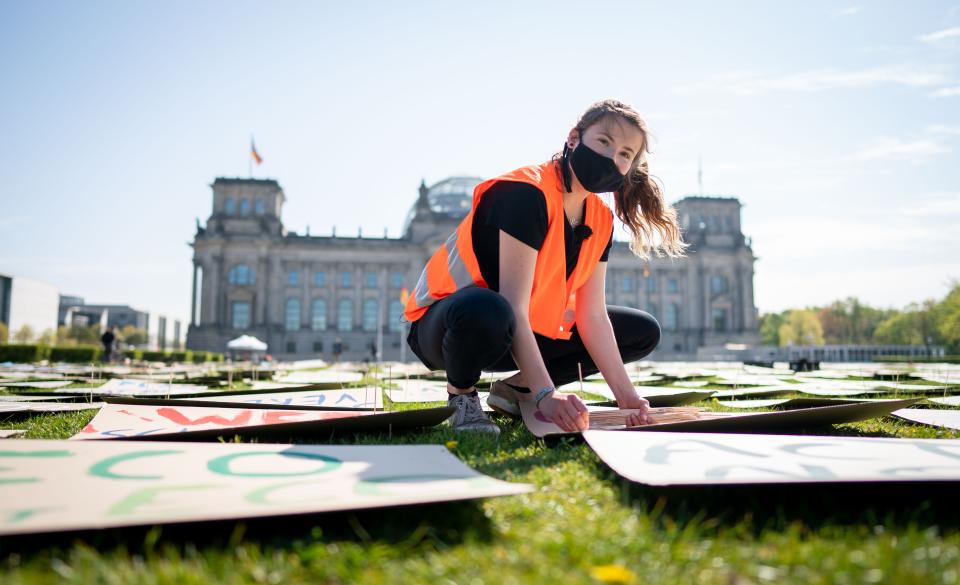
(567, 411)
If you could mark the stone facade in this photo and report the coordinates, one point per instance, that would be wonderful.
(301, 293)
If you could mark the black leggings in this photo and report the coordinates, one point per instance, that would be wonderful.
(472, 330)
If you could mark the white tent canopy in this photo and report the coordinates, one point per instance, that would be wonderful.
(246, 343)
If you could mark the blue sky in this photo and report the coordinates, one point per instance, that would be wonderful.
(837, 124)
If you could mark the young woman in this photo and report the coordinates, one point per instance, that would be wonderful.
(520, 283)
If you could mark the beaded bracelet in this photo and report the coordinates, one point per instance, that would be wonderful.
(542, 394)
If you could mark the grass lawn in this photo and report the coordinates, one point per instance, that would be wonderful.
(583, 524)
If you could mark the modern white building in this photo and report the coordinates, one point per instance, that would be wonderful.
(28, 302)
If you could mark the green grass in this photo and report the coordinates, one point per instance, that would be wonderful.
(581, 516)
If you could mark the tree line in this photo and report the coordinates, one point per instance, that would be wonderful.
(849, 321)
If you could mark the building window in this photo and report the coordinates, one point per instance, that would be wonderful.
(371, 280)
(628, 283)
(651, 284)
(320, 278)
(259, 207)
(396, 280)
(318, 347)
(241, 274)
(244, 207)
(370, 309)
(291, 347)
(318, 315)
(240, 314)
(720, 319)
(293, 278)
(718, 284)
(673, 286)
(291, 316)
(653, 309)
(229, 206)
(672, 320)
(346, 279)
(345, 315)
(395, 312)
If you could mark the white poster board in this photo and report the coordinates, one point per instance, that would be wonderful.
(121, 483)
(657, 458)
(130, 387)
(363, 398)
(935, 417)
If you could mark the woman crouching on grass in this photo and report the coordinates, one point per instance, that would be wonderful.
(520, 283)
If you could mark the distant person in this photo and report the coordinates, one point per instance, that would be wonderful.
(373, 351)
(337, 349)
(108, 338)
(520, 284)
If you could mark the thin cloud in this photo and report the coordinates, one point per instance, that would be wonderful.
(739, 83)
(946, 34)
(913, 151)
(946, 92)
(850, 10)
(943, 129)
(938, 206)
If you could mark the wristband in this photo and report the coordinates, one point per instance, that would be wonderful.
(542, 394)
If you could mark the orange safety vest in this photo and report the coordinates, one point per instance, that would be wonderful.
(553, 299)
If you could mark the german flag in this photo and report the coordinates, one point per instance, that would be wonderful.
(253, 153)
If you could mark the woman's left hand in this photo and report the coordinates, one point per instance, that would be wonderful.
(633, 400)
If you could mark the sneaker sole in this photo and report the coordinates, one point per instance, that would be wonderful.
(503, 406)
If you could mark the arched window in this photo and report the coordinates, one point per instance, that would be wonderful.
(345, 315)
(396, 280)
(395, 312)
(291, 320)
(370, 309)
(259, 207)
(718, 284)
(241, 274)
(244, 207)
(229, 206)
(318, 315)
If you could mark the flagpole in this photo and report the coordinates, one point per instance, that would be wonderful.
(250, 159)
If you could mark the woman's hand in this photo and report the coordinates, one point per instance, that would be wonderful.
(567, 411)
(633, 400)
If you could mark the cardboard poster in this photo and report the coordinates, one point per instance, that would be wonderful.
(935, 417)
(174, 422)
(8, 433)
(361, 398)
(742, 422)
(129, 387)
(417, 391)
(657, 458)
(123, 483)
(34, 398)
(757, 392)
(802, 402)
(319, 377)
(947, 401)
(30, 407)
(47, 385)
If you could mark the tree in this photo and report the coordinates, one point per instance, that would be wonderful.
(770, 327)
(133, 336)
(48, 337)
(947, 316)
(24, 335)
(4, 332)
(801, 327)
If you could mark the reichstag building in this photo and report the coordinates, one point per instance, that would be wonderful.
(303, 294)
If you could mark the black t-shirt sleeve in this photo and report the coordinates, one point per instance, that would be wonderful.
(606, 251)
(519, 209)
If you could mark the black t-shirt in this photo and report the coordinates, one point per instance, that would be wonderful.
(520, 210)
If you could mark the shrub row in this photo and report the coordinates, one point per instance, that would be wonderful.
(27, 353)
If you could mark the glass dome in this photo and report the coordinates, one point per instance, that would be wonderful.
(451, 197)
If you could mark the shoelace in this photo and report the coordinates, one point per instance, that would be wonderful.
(472, 408)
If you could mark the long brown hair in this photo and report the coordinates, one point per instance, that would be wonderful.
(639, 204)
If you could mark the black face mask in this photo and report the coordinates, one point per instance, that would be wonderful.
(597, 173)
